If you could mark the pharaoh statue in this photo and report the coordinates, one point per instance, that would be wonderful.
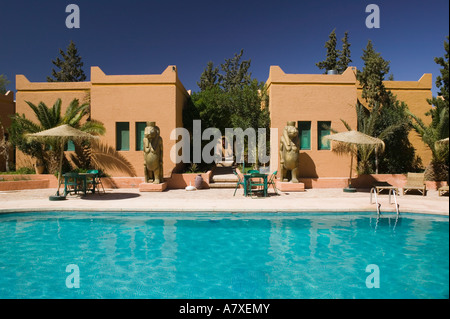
(289, 153)
(153, 154)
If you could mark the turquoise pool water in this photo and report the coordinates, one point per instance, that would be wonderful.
(151, 255)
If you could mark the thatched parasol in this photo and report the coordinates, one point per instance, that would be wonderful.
(355, 138)
(61, 134)
(443, 141)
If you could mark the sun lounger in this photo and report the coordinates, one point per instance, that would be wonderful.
(381, 186)
(442, 190)
(415, 181)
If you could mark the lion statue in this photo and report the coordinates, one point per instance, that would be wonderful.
(289, 153)
(153, 154)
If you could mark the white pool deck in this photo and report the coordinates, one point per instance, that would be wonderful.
(219, 200)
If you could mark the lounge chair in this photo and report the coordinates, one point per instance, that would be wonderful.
(442, 190)
(381, 186)
(415, 181)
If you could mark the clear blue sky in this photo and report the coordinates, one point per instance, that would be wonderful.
(144, 37)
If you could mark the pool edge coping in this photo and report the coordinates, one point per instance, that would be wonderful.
(212, 210)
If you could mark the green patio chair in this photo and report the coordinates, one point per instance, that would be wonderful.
(271, 181)
(239, 182)
(71, 183)
(96, 181)
(259, 183)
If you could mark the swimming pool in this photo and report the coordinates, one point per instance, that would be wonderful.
(223, 255)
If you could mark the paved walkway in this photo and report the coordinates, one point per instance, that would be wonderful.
(219, 200)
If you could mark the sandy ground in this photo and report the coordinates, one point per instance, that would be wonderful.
(220, 200)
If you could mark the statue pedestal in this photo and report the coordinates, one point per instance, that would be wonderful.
(290, 187)
(150, 187)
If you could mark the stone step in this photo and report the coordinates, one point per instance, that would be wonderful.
(222, 185)
(225, 178)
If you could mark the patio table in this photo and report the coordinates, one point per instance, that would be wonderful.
(247, 182)
(78, 179)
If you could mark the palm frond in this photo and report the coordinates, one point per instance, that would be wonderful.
(93, 127)
(107, 158)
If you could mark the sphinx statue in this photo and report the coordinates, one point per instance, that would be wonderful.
(289, 153)
(153, 154)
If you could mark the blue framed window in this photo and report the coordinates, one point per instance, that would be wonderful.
(323, 129)
(122, 136)
(140, 127)
(304, 134)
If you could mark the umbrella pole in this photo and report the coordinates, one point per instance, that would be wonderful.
(60, 167)
(349, 188)
(350, 177)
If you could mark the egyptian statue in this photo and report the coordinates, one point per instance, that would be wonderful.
(289, 153)
(153, 154)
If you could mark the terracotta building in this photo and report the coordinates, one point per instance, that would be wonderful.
(125, 102)
(7, 108)
(315, 101)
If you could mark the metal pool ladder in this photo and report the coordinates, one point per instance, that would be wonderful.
(374, 191)
(397, 206)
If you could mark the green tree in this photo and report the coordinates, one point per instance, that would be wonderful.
(367, 124)
(344, 55)
(5, 146)
(70, 66)
(49, 117)
(399, 155)
(439, 127)
(232, 100)
(235, 74)
(371, 77)
(209, 77)
(3, 83)
(330, 63)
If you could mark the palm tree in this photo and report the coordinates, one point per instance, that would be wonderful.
(50, 117)
(367, 121)
(431, 134)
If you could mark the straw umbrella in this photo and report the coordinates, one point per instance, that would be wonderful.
(443, 141)
(351, 139)
(62, 134)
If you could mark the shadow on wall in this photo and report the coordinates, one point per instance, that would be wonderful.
(105, 157)
(307, 169)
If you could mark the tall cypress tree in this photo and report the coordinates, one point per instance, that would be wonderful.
(372, 76)
(399, 155)
(330, 62)
(209, 77)
(70, 66)
(3, 83)
(344, 55)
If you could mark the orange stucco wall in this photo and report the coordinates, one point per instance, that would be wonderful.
(7, 108)
(47, 92)
(161, 98)
(117, 98)
(415, 95)
(138, 98)
(313, 97)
